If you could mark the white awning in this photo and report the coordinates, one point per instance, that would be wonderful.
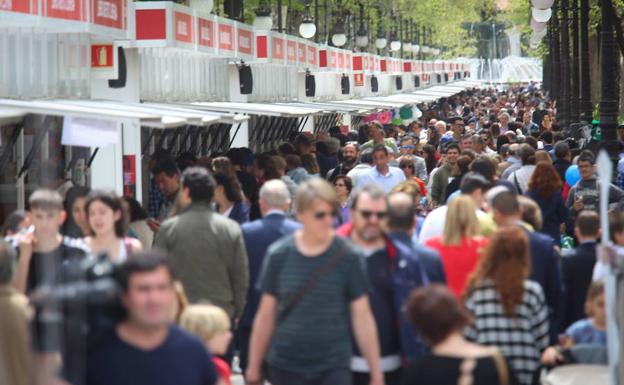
(60, 108)
(375, 102)
(330, 107)
(196, 118)
(265, 109)
(193, 109)
(10, 115)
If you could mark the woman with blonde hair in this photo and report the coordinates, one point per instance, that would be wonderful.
(509, 311)
(212, 325)
(460, 246)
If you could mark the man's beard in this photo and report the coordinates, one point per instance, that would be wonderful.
(349, 161)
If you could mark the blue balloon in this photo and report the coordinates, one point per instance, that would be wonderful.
(572, 175)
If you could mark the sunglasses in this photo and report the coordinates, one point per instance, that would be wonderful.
(407, 166)
(320, 215)
(407, 147)
(340, 185)
(367, 214)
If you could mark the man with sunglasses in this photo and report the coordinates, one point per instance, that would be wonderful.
(393, 273)
(314, 297)
(382, 174)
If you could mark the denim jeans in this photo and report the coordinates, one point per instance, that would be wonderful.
(278, 376)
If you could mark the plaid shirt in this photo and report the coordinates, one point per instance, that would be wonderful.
(156, 199)
(522, 338)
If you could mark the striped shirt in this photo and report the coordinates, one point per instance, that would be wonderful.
(522, 338)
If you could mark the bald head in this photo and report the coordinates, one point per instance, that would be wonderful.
(274, 195)
(401, 211)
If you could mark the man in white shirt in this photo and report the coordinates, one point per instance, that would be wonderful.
(382, 174)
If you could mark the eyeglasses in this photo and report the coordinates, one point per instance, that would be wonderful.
(407, 147)
(320, 215)
(367, 214)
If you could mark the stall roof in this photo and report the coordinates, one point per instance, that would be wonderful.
(64, 108)
(192, 118)
(11, 115)
(375, 102)
(333, 107)
(404, 98)
(190, 108)
(280, 110)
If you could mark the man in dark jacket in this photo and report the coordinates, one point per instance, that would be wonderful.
(562, 159)
(545, 268)
(401, 221)
(578, 265)
(349, 160)
(585, 194)
(393, 273)
(258, 236)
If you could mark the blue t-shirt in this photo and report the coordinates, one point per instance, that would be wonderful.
(181, 359)
(584, 332)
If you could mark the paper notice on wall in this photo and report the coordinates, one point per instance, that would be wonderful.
(87, 132)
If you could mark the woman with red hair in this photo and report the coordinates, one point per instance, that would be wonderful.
(545, 189)
(509, 311)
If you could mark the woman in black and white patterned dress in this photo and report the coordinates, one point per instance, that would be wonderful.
(509, 311)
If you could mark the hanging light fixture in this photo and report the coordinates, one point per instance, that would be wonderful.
(541, 15)
(339, 37)
(361, 37)
(307, 28)
(263, 20)
(395, 42)
(381, 42)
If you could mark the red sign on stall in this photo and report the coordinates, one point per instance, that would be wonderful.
(183, 24)
(64, 9)
(359, 80)
(312, 53)
(102, 56)
(22, 6)
(206, 32)
(277, 48)
(245, 41)
(226, 37)
(301, 53)
(109, 13)
(291, 50)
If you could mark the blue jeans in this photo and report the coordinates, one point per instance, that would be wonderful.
(278, 376)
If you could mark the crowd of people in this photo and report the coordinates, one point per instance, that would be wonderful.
(457, 248)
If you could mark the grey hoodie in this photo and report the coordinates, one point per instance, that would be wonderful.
(589, 191)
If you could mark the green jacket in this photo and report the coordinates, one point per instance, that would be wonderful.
(208, 254)
(439, 184)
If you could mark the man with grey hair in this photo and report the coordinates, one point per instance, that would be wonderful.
(259, 235)
(15, 354)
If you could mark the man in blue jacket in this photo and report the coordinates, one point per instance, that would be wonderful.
(401, 221)
(393, 273)
(259, 235)
(545, 267)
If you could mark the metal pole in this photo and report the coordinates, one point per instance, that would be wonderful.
(564, 101)
(279, 16)
(316, 20)
(610, 80)
(556, 55)
(585, 104)
(574, 94)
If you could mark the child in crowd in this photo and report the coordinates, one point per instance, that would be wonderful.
(588, 331)
(212, 325)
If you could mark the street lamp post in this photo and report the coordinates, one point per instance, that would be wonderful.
(564, 102)
(585, 104)
(556, 56)
(610, 80)
(574, 94)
